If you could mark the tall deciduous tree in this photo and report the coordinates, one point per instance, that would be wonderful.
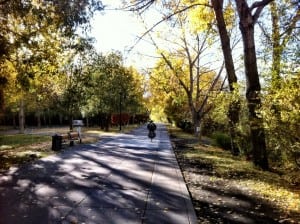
(234, 106)
(34, 47)
(281, 101)
(248, 16)
(224, 18)
(34, 16)
(284, 17)
(77, 71)
(113, 88)
(186, 67)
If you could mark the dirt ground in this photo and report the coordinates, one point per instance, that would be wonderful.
(221, 200)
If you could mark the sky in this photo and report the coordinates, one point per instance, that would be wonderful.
(117, 30)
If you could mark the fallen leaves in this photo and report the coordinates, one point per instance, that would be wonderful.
(226, 175)
(282, 197)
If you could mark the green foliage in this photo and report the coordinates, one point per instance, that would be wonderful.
(218, 114)
(65, 15)
(219, 118)
(186, 126)
(176, 111)
(222, 140)
(35, 36)
(111, 83)
(222, 102)
(281, 111)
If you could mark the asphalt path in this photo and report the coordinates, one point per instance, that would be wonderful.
(120, 179)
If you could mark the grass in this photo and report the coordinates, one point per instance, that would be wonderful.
(276, 188)
(13, 141)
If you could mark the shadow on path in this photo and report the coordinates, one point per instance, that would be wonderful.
(126, 179)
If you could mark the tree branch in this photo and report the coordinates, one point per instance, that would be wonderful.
(211, 88)
(259, 6)
(165, 19)
(287, 34)
(265, 33)
(139, 6)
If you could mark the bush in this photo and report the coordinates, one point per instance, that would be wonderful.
(186, 126)
(280, 110)
(222, 140)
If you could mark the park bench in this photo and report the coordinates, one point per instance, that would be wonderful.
(71, 137)
(59, 139)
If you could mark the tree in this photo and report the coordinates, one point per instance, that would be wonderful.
(77, 72)
(248, 18)
(224, 18)
(166, 97)
(136, 92)
(10, 90)
(280, 49)
(185, 67)
(284, 16)
(280, 110)
(34, 51)
(35, 17)
(234, 106)
(66, 15)
(113, 84)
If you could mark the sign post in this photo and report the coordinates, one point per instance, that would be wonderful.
(78, 124)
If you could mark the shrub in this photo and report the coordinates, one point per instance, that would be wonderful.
(185, 125)
(222, 140)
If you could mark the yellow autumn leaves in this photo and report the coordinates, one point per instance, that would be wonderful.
(201, 16)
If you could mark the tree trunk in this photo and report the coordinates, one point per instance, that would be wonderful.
(60, 119)
(14, 121)
(107, 121)
(233, 115)
(87, 122)
(38, 118)
(21, 117)
(1, 99)
(196, 122)
(195, 114)
(71, 122)
(253, 86)
(225, 42)
(44, 119)
(276, 48)
(49, 117)
(234, 107)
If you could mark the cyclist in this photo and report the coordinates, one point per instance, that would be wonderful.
(151, 127)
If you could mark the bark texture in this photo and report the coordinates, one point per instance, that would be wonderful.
(234, 107)
(247, 22)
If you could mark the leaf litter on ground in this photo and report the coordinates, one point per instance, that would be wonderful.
(211, 172)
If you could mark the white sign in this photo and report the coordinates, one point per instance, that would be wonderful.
(77, 123)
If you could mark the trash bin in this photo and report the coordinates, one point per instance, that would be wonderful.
(56, 142)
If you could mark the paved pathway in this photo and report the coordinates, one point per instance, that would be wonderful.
(122, 179)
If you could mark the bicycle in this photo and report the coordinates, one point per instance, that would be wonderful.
(151, 134)
(151, 127)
